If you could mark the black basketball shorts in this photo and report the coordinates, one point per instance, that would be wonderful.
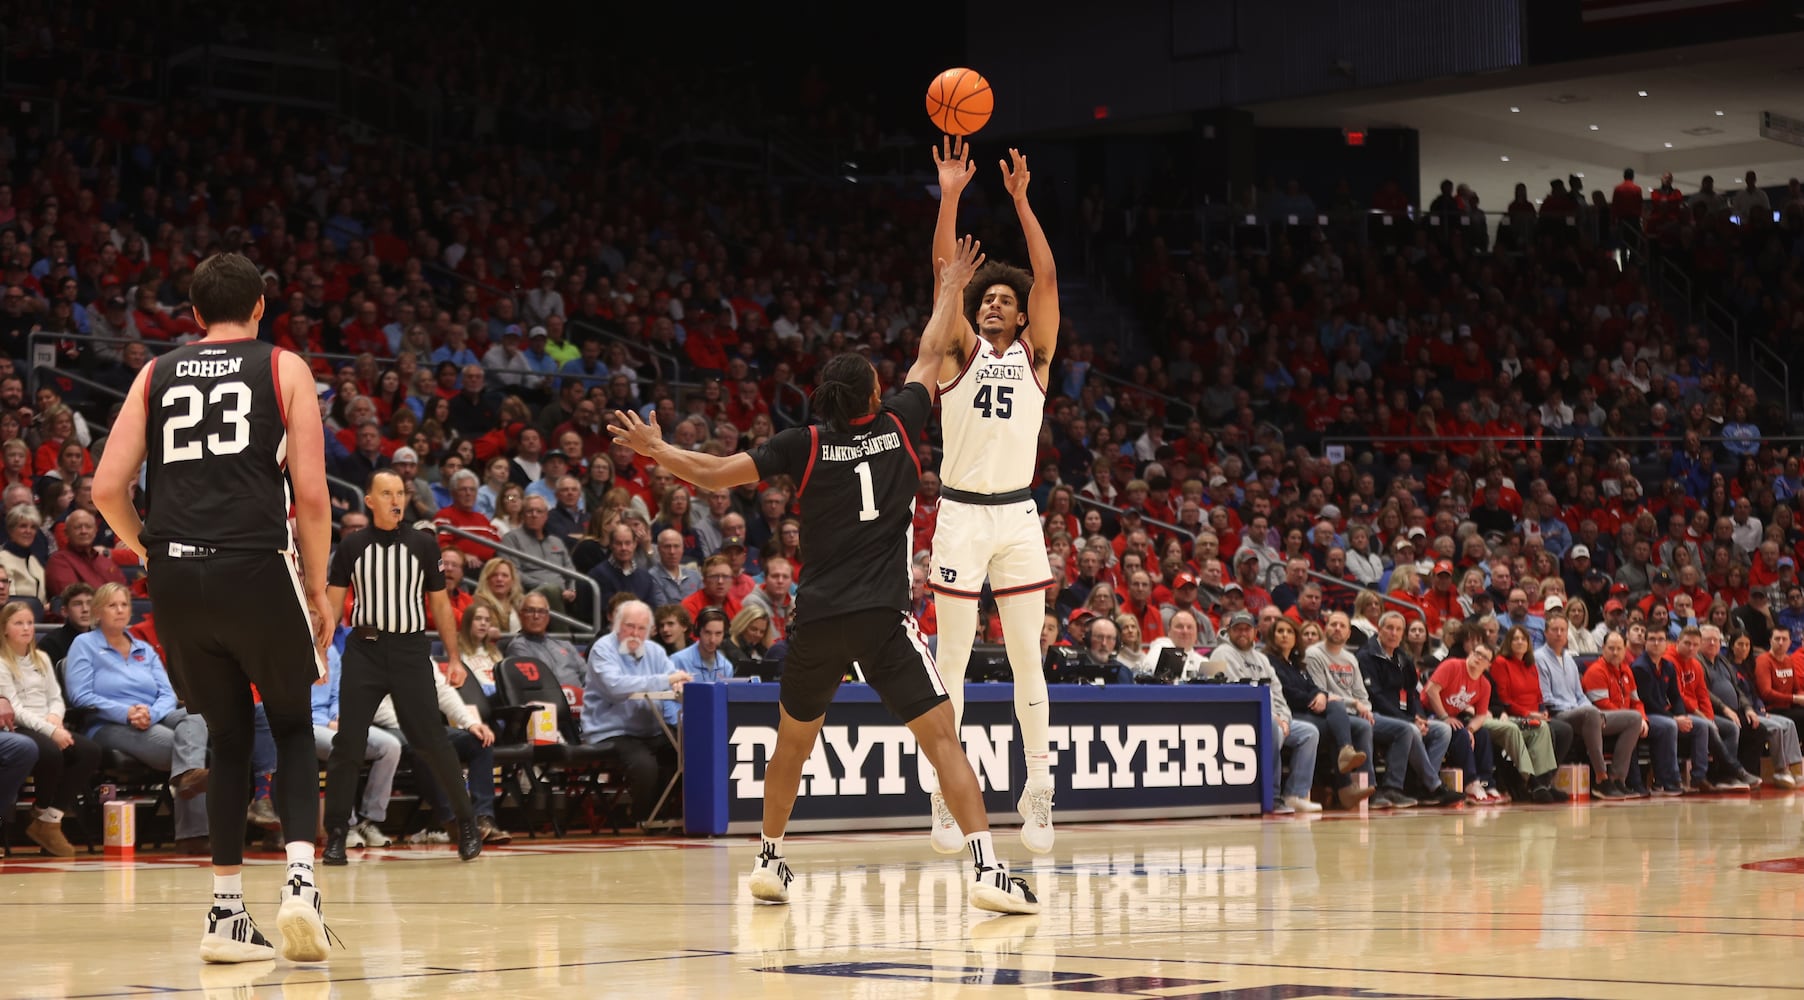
(234, 615)
(889, 649)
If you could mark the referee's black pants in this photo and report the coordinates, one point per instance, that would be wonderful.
(399, 666)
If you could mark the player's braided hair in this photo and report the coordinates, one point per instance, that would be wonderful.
(844, 392)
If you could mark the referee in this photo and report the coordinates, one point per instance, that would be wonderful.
(390, 566)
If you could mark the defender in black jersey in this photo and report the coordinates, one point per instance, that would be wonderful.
(856, 479)
(227, 431)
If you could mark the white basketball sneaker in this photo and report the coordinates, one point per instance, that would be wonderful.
(232, 937)
(303, 928)
(992, 888)
(1035, 805)
(947, 837)
(770, 878)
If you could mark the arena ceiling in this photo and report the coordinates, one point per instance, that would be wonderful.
(1693, 111)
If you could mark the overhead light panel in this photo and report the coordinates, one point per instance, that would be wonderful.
(1669, 145)
(1504, 159)
(1719, 114)
(1514, 110)
(1640, 93)
(1594, 128)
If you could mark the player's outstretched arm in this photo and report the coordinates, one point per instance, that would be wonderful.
(952, 158)
(1043, 301)
(120, 463)
(710, 471)
(950, 278)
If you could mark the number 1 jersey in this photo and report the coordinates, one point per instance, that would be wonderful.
(216, 440)
(857, 492)
(990, 416)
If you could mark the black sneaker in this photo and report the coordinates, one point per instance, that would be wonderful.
(1541, 794)
(1555, 794)
(335, 849)
(1609, 789)
(1444, 796)
(468, 834)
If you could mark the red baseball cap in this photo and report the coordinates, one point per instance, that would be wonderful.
(1182, 580)
(1612, 606)
(1080, 614)
(1443, 566)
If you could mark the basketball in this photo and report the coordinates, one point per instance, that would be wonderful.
(959, 101)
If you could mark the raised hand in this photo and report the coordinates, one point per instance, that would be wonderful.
(966, 259)
(953, 159)
(1014, 174)
(637, 434)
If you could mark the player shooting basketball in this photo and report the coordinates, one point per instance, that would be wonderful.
(992, 386)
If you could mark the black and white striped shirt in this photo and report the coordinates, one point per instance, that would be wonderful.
(389, 573)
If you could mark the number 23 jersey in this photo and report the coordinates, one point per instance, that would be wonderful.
(216, 448)
(857, 493)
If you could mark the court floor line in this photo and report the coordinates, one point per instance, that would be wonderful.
(1212, 902)
(1142, 960)
(428, 972)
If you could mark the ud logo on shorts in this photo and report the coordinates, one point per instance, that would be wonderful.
(948, 574)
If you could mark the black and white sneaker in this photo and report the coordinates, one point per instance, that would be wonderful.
(302, 926)
(992, 888)
(232, 938)
(770, 878)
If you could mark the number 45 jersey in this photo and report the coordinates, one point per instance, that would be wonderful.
(216, 441)
(857, 493)
(990, 415)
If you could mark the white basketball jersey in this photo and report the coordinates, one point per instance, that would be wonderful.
(990, 415)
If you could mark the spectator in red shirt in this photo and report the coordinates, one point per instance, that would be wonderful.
(363, 335)
(1139, 605)
(716, 592)
(81, 561)
(1625, 201)
(462, 513)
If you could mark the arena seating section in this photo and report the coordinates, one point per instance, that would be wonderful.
(1318, 375)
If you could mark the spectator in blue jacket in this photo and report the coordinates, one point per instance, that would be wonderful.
(624, 663)
(121, 679)
(702, 659)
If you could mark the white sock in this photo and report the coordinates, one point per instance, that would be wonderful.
(983, 851)
(50, 815)
(958, 631)
(1021, 618)
(772, 846)
(228, 892)
(300, 859)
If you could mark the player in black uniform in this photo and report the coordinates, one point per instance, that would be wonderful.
(857, 479)
(221, 427)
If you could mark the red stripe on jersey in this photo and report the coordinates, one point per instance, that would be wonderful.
(861, 421)
(1030, 588)
(814, 452)
(969, 595)
(1033, 367)
(979, 349)
(149, 373)
(275, 378)
(910, 445)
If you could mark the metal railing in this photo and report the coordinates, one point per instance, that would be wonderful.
(1358, 587)
(529, 559)
(669, 365)
(1167, 525)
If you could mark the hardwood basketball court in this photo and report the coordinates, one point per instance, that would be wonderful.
(1695, 898)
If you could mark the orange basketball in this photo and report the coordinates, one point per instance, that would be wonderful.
(959, 101)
